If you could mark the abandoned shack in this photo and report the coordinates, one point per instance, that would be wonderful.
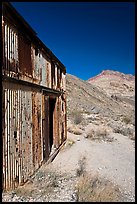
(33, 100)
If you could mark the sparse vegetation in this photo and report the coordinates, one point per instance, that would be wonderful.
(68, 144)
(132, 137)
(72, 128)
(119, 127)
(77, 117)
(100, 133)
(94, 189)
(81, 166)
(126, 119)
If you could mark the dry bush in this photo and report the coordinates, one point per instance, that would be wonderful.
(77, 117)
(81, 166)
(132, 137)
(27, 190)
(94, 189)
(91, 134)
(126, 119)
(74, 129)
(68, 144)
(100, 133)
(81, 127)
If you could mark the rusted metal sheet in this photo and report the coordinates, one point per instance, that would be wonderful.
(58, 78)
(24, 55)
(18, 108)
(48, 77)
(36, 131)
(45, 127)
(10, 60)
(43, 71)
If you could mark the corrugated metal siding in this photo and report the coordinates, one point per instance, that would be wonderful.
(10, 58)
(22, 142)
(36, 121)
(24, 55)
(27, 130)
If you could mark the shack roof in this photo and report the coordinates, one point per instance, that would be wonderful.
(7, 7)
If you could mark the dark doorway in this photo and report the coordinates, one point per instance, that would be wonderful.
(52, 102)
(48, 125)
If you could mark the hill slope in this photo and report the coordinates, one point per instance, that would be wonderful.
(98, 96)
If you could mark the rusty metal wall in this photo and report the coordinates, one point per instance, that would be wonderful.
(24, 46)
(36, 131)
(10, 48)
(22, 140)
(23, 60)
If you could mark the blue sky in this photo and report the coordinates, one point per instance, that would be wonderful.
(87, 37)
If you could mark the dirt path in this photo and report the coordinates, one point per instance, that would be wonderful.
(114, 161)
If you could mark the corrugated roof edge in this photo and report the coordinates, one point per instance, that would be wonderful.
(16, 13)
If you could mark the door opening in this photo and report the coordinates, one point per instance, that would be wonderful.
(52, 102)
(48, 125)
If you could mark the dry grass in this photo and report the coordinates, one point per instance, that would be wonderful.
(44, 183)
(68, 144)
(101, 133)
(81, 166)
(77, 117)
(126, 119)
(72, 128)
(26, 191)
(94, 189)
(132, 137)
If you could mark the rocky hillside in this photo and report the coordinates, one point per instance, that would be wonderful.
(117, 85)
(110, 94)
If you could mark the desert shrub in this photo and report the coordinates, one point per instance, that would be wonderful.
(74, 129)
(100, 133)
(132, 137)
(126, 119)
(81, 166)
(68, 144)
(90, 134)
(94, 189)
(126, 131)
(77, 117)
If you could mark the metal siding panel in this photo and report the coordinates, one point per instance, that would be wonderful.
(23, 119)
(12, 134)
(5, 40)
(24, 137)
(46, 148)
(44, 72)
(14, 163)
(19, 132)
(24, 55)
(16, 52)
(6, 135)
(8, 141)
(5, 141)
(21, 137)
(3, 136)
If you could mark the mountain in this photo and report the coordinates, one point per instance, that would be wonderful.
(110, 94)
(116, 84)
